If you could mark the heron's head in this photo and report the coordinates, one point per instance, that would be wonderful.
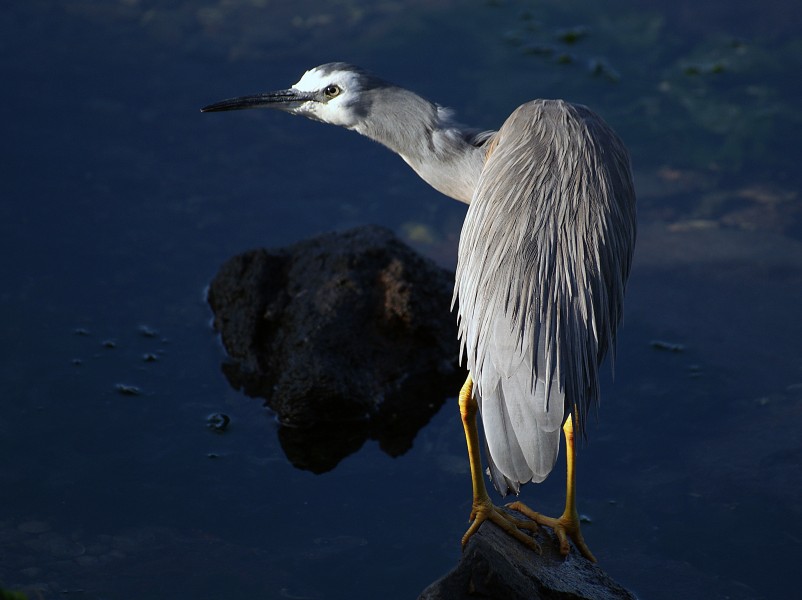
(336, 93)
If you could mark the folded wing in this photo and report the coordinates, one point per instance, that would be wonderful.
(544, 256)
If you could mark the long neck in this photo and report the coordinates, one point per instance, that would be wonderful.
(420, 132)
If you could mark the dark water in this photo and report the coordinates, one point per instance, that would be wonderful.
(120, 200)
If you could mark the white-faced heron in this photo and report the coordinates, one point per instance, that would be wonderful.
(544, 256)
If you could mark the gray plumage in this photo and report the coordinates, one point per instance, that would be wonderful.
(544, 253)
(544, 256)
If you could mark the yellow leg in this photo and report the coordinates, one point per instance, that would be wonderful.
(483, 509)
(566, 526)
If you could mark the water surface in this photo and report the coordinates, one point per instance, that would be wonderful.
(120, 201)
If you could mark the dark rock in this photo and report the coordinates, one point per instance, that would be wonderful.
(351, 328)
(218, 422)
(494, 566)
(147, 331)
(127, 389)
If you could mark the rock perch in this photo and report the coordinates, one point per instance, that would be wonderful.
(494, 566)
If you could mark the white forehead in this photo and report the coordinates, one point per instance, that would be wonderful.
(316, 79)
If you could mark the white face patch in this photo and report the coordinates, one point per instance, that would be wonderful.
(311, 81)
(336, 111)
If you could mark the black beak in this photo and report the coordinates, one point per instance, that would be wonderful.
(282, 99)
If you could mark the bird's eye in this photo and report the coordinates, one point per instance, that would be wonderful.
(332, 91)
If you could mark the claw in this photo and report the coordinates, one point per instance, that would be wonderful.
(565, 527)
(486, 511)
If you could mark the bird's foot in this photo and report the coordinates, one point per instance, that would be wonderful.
(565, 527)
(485, 510)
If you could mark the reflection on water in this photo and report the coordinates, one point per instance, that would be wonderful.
(120, 202)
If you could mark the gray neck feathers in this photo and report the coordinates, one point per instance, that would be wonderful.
(448, 157)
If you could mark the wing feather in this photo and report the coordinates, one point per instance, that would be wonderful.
(544, 256)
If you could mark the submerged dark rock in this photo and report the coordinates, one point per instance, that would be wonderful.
(494, 566)
(218, 422)
(350, 328)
